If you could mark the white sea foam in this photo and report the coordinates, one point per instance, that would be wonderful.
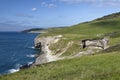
(32, 47)
(13, 70)
(16, 69)
(30, 55)
(29, 63)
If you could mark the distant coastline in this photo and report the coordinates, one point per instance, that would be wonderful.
(35, 30)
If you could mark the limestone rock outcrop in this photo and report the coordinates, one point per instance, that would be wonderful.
(43, 43)
(99, 43)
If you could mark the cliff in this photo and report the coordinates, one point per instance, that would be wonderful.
(48, 55)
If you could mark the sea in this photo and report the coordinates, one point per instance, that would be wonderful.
(16, 49)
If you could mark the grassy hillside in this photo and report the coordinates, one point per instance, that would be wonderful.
(101, 66)
(111, 16)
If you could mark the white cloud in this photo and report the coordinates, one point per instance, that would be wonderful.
(89, 0)
(94, 2)
(44, 4)
(52, 6)
(77, 1)
(49, 5)
(34, 9)
(108, 3)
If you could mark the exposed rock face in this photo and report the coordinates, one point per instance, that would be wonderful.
(43, 43)
(93, 46)
(100, 43)
(40, 42)
(38, 45)
(25, 66)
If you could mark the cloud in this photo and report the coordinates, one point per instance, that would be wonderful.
(24, 15)
(113, 3)
(77, 1)
(93, 2)
(34, 9)
(49, 5)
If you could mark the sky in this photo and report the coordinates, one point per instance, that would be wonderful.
(17, 15)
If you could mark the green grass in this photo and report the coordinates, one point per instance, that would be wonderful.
(93, 67)
(74, 49)
(59, 46)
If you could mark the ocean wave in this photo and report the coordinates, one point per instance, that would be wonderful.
(30, 63)
(13, 70)
(31, 55)
(31, 47)
(16, 69)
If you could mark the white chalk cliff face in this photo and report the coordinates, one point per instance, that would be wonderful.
(100, 43)
(93, 46)
(46, 53)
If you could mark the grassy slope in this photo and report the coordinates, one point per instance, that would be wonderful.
(93, 67)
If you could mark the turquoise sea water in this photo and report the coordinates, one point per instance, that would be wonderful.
(16, 49)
